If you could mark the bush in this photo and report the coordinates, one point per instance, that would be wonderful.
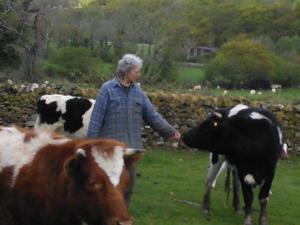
(106, 52)
(286, 73)
(241, 63)
(288, 44)
(160, 67)
(71, 62)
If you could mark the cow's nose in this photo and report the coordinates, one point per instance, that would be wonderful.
(128, 222)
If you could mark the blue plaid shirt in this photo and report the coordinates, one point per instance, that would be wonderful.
(119, 113)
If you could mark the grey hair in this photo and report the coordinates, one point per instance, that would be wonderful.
(126, 64)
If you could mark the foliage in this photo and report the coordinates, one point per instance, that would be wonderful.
(72, 62)
(106, 52)
(10, 29)
(160, 66)
(287, 73)
(171, 27)
(241, 63)
(288, 44)
(287, 61)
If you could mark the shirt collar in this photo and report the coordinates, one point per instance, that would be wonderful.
(116, 83)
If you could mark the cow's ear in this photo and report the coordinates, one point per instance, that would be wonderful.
(132, 156)
(75, 166)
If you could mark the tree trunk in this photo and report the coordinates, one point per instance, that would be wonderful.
(30, 62)
(35, 49)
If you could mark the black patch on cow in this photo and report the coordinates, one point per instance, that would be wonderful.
(214, 158)
(47, 112)
(75, 108)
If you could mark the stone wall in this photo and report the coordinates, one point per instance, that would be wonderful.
(186, 110)
(181, 110)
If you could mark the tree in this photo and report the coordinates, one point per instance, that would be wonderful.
(35, 15)
(242, 63)
(288, 44)
(10, 35)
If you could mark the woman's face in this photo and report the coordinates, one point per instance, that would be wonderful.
(133, 75)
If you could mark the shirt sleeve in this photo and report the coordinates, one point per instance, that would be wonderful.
(155, 120)
(98, 114)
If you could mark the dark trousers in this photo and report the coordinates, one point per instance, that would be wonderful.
(132, 177)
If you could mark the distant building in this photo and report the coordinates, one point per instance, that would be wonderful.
(201, 51)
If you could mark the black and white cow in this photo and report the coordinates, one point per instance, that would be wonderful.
(251, 140)
(67, 114)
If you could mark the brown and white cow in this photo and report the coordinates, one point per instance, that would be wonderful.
(47, 179)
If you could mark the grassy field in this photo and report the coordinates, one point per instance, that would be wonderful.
(187, 77)
(169, 178)
(291, 95)
(191, 75)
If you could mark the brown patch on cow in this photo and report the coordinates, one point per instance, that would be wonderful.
(6, 217)
(23, 129)
(124, 181)
(29, 133)
(6, 176)
(54, 172)
(132, 159)
(57, 136)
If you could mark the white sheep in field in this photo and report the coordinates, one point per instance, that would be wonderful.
(197, 88)
(252, 92)
(275, 88)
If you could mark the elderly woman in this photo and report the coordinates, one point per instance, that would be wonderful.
(121, 107)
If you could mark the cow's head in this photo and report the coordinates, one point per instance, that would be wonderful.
(208, 134)
(97, 178)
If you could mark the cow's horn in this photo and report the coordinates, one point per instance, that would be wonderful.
(217, 114)
(131, 151)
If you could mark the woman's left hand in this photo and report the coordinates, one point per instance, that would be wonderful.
(177, 135)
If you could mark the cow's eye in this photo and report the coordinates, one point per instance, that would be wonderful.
(215, 124)
(95, 186)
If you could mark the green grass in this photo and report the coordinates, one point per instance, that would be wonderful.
(283, 96)
(168, 178)
(190, 75)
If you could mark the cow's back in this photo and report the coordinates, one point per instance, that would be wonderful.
(67, 114)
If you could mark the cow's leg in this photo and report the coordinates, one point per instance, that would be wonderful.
(236, 191)
(248, 199)
(263, 199)
(216, 162)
